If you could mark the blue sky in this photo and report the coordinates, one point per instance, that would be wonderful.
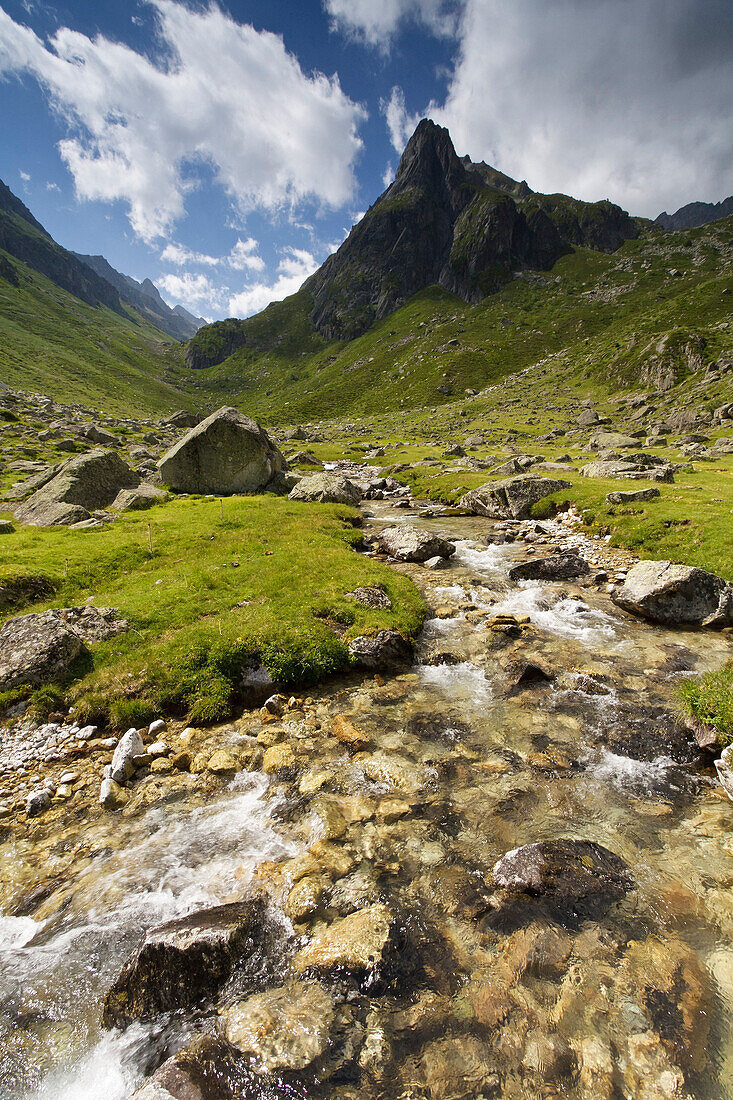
(225, 149)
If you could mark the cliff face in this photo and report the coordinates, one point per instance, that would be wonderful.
(449, 222)
(443, 221)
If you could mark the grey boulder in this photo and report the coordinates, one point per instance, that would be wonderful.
(512, 498)
(631, 496)
(556, 567)
(86, 482)
(39, 647)
(405, 542)
(632, 471)
(384, 651)
(135, 500)
(226, 453)
(676, 595)
(326, 488)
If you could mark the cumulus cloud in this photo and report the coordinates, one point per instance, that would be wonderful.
(376, 22)
(244, 255)
(195, 291)
(218, 93)
(625, 99)
(25, 176)
(179, 255)
(295, 266)
(388, 175)
(400, 123)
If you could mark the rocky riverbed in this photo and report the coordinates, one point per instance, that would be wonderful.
(502, 872)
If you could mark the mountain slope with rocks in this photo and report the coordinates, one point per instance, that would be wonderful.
(695, 213)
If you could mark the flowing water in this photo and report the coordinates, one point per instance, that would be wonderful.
(479, 764)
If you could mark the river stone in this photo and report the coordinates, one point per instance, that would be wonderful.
(407, 543)
(575, 877)
(512, 498)
(282, 1029)
(112, 796)
(556, 567)
(181, 963)
(226, 453)
(86, 482)
(384, 651)
(136, 500)
(205, 1069)
(130, 745)
(724, 768)
(631, 496)
(326, 488)
(357, 945)
(36, 648)
(676, 595)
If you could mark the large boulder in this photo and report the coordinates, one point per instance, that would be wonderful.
(676, 595)
(511, 498)
(81, 485)
(181, 963)
(181, 419)
(631, 496)
(385, 651)
(407, 543)
(574, 877)
(40, 647)
(632, 471)
(326, 488)
(226, 453)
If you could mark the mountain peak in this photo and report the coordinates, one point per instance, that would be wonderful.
(429, 158)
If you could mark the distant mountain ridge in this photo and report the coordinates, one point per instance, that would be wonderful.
(145, 297)
(695, 214)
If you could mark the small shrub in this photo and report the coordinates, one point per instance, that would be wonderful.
(709, 699)
(92, 710)
(213, 701)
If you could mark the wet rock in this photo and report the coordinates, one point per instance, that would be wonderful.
(348, 734)
(460, 1068)
(574, 877)
(512, 498)
(676, 595)
(86, 482)
(282, 1029)
(205, 1069)
(37, 802)
(221, 762)
(277, 758)
(556, 567)
(521, 676)
(408, 543)
(226, 453)
(182, 963)
(130, 745)
(112, 796)
(384, 651)
(357, 945)
(371, 596)
(326, 488)
(36, 648)
(631, 496)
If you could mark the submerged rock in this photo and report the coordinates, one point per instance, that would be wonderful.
(512, 498)
(181, 963)
(226, 453)
(356, 945)
(281, 1029)
(326, 488)
(676, 595)
(575, 877)
(408, 543)
(205, 1069)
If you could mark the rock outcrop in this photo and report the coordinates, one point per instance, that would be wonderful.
(676, 595)
(226, 453)
(512, 498)
(78, 487)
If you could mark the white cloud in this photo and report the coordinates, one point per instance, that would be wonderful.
(376, 22)
(244, 255)
(400, 123)
(224, 94)
(179, 255)
(50, 186)
(25, 176)
(294, 268)
(195, 291)
(597, 98)
(388, 175)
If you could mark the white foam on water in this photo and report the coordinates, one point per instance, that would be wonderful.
(175, 861)
(440, 627)
(492, 559)
(464, 681)
(450, 592)
(650, 777)
(568, 617)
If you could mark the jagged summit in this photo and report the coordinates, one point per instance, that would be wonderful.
(695, 213)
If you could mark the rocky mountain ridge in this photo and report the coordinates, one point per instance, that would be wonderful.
(695, 214)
